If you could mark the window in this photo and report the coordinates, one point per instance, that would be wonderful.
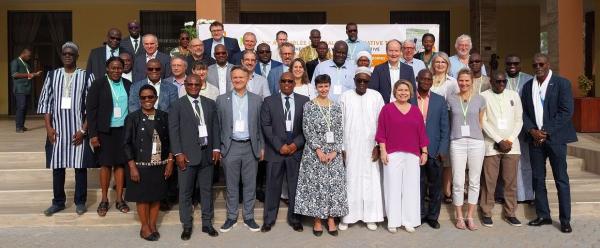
(426, 17)
(166, 25)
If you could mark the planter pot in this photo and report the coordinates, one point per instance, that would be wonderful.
(587, 114)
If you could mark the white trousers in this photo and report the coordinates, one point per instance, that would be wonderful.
(401, 187)
(466, 153)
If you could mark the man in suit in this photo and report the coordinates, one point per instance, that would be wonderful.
(322, 51)
(219, 74)
(267, 67)
(249, 41)
(435, 111)
(167, 92)
(178, 74)
(257, 84)
(98, 56)
(547, 111)
(150, 43)
(241, 147)
(387, 74)
(194, 132)
(131, 44)
(281, 119)
(197, 54)
(216, 31)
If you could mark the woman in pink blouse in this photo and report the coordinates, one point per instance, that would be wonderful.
(403, 143)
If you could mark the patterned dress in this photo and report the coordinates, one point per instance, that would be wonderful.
(321, 190)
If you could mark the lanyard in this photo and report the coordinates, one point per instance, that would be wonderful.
(464, 110)
(114, 94)
(200, 115)
(326, 117)
(26, 66)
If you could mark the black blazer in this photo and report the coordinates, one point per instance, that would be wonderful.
(231, 45)
(273, 125)
(183, 130)
(97, 62)
(99, 105)
(381, 81)
(127, 46)
(310, 67)
(139, 66)
(190, 62)
(558, 111)
(139, 135)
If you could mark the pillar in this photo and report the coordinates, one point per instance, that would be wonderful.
(596, 70)
(483, 28)
(226, 11)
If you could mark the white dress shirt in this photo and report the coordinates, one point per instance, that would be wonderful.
(222, 78)
(157, 87)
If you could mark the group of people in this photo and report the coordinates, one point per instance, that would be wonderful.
(340, 138)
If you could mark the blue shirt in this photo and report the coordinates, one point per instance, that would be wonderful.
(240, 112)
(340, 77)
(119, 98)
(416, 64)
(354, 47)
(456, 65)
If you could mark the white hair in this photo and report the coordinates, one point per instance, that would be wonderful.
(463, 37)
(150, 36)
(70, 44)
(409, 41)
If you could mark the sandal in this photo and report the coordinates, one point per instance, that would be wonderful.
(122, 206)
(447, 199)
(102, 209)
(460, 223)
(471, 224)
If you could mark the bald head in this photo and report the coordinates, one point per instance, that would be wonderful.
(340, 52)
(113, 38)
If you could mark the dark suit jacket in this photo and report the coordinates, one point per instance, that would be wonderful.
(231, 45)
(190, 61)
(310, 67)
(437, 125)
(139, 66)
(558, 111)
(127, 46)
(97, 62)
(139, 134)
(99, 105)
(380, 79)
(168, 94)
(183, 130)
(225, 112)
(272, 120)
(274, 75)
(237, 58)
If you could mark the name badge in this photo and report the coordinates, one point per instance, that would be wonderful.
(288, 126)
(502, 124)
(154, 148)
(239, 126)
(329, 137)
(202, 132)
(337, 89)
(465, 130)
(65, 103)
(117, 112)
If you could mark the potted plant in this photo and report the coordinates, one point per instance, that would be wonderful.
(587, 109)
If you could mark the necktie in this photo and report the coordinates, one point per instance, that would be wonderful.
(264, 70)
(203, 140)
(288, 117)
(112, 52)
(135, 45)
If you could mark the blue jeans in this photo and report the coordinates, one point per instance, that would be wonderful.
(21, 110)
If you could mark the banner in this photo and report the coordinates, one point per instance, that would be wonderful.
(376, 35)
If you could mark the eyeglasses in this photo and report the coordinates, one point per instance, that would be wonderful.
(220, 53)
(512, 63)
(147, 98)
(440, 62)
(69, 54)
(504, 81)
(153, 68)
(474, 61)
(114, 38)
(351, 30)
(216, 30)
(134, 27)
(536, 65)
(409, 48)
(286, 81)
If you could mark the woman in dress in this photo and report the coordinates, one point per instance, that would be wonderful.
(403, 144)
(299, 71)
(150, 162)
(183, 49)
(106, 111)
(444, 85)
(321, 191)
(467, 148)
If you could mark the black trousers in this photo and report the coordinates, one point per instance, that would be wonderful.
(431, 186)
(289, 167)
(189, 179)
(557, 153)
(21, 110)
(58, 186)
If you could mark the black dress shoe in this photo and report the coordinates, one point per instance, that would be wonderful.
(566, 227)
(540, 221)
(297, 227)
(265, 228)
(186, 234)
(317, 233)
(151, 237)
(333, 233)
(157, 234)
(433, 224)
(210, 231)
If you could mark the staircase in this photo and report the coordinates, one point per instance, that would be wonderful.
(26, 190)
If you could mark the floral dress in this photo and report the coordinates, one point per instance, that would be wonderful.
(321, 190)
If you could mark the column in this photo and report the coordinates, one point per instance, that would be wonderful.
(483, 29)
(226, 11)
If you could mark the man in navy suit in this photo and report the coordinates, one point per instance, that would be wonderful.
(267, 67)
(547, 111)
(435, 111)
(98, 56)
(387, 74)
(167, 91)
(132, 44)
(150, 43)
(216, 31)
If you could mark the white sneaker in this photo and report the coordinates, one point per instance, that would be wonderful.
(343, 226)
(371, 226)
(392, 229)
(409, 229)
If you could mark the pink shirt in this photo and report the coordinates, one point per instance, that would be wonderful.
(401, 132)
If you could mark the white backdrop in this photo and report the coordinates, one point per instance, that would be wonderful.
(375, 34)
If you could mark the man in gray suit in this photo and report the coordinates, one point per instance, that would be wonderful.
(219, 74)
(257, 84)
(194, 132)
(241, 146)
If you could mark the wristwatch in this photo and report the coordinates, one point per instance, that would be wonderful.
(82, 131)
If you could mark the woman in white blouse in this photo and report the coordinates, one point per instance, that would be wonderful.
(298, 69)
